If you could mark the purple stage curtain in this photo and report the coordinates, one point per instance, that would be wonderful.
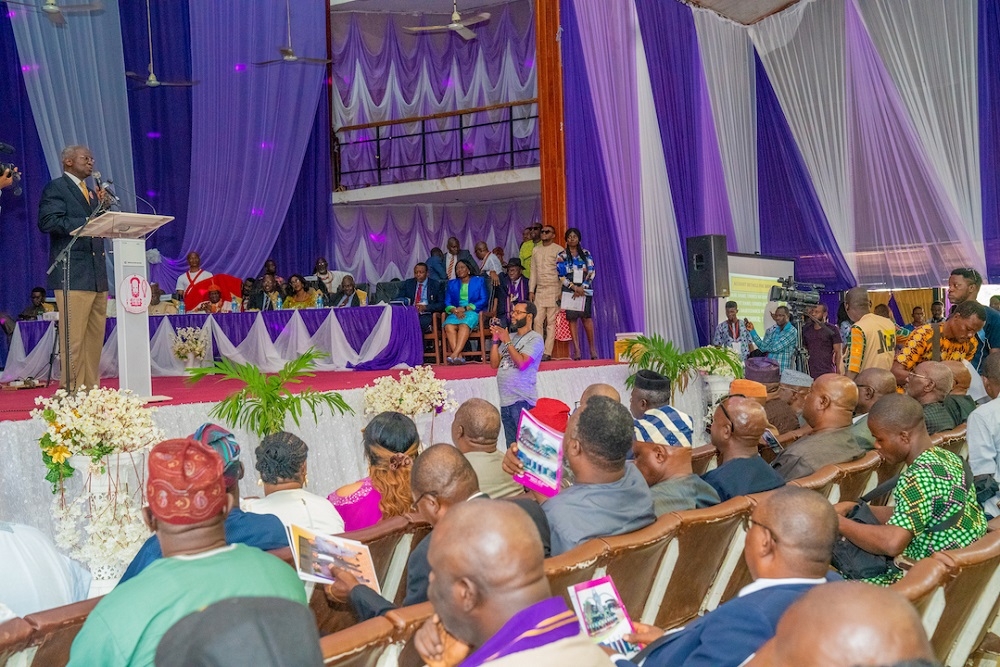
(589, 203)
(250, 127)
(308, 230)
(24, 249)
(383, 73)
(160, 117)
(907, 231)
(989, 131)
(792, 222)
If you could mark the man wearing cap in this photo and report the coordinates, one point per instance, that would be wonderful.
(829, 411)
(264, 531)
(779, 340)
(513, 288)
(516, 357)
(767, 372)
(737, 426)
(215, 304)
(655, 419)
(793, 390)
(188, 504)
(732, 332)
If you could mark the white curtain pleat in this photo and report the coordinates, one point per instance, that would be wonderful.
(929, 48)
(667, 307)
(803, 52)
(727, 60)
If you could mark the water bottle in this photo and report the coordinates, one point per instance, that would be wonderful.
(319, 300)
(180, 306)
(280, 302)
(236, 305)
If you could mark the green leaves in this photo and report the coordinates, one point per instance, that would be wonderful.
(662, 356)
(265, 401)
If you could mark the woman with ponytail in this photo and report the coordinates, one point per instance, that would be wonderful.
(391, 443)
(281, 462)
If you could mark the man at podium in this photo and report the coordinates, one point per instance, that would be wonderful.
(66, 205)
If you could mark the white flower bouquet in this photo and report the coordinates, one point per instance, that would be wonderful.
(189, 341)
(716, 365)
(417, 391)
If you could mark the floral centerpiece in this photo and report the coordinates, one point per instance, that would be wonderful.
(107, 432)
(417, 391)
(189, 342)
(722, 363)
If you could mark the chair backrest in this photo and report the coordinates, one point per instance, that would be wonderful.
(15, 635)
(55, 629)
(710, 545)
(640, 562)
(923, 585)
(382, 539)
(703, 458)
(419, 530)
(406, 621)
(954, 441)
(386, 292)
(359, 646)
(579, 564)
(970, 598)
(822, 481)
(857, 478)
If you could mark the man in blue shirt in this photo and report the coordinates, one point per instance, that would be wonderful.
(264, 531)
(963, 285)
(737, 427)
(779, 341)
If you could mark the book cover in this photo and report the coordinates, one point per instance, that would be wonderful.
(540, 450)
(602, 615)
(313, 554)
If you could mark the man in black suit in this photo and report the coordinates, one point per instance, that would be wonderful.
(424, 293)
(67, 203)
(457, 254)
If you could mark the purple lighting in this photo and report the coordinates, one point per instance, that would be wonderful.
(377, 238)
(239, 67)
(151, 194)
(266, 145)
(257, 211)
(152, 135)
(529, 63)
(448, 83)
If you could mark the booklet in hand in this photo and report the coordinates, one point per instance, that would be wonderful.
(313, 554)
(602, 615)
(540, 450)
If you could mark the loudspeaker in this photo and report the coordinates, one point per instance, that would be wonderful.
(708, 266)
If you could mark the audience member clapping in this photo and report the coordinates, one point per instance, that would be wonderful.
(476, 431)
(282, 464)
(929, 383)
(391, 443)
(737, 426)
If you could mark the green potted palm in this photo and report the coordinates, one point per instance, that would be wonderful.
(265, 401)
(662, 356)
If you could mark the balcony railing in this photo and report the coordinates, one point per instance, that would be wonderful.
(470, 141)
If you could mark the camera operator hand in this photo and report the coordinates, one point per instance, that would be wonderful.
(7, 177)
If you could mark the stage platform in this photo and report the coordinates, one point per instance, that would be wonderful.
(335, 456)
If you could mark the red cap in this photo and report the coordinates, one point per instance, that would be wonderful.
(185, 482)
(551, 412)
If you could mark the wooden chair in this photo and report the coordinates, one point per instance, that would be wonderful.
(434, 337)
(478, 334)
(823, 481)
(710, 544)
(360, 646)
(406, 621)
(54, 630)
(923, 585)
(856, 478)
(418, 530)
(15, 636)
(954, 441)
(581, 563)
(641, 563)
(704, 458)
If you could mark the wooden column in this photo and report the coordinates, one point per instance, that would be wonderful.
(550, 115)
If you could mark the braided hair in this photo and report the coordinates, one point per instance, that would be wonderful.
(281, 457)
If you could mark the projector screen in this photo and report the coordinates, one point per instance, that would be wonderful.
(750, 280)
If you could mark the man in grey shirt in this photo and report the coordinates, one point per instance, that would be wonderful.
(516, 358)
(672, 482)
(609, 496)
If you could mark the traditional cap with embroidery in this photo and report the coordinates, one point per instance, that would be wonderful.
(225, 445)
(185, 483)
(796, 378)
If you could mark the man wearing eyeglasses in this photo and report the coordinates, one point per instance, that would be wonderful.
(952, 340)
(930, 382)
(737, 427)
(963, 285)
(545, 287)
(516, 358)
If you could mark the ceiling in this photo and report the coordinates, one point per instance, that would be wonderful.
(746, 12)
(410, 6)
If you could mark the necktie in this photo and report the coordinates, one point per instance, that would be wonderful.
(86, 193)
(420, 292)
(451, 266)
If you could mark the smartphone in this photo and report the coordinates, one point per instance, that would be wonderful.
(772, 442)
(495, 322)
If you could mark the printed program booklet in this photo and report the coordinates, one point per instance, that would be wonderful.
(602, 615)
(313, 554)
(540, 450)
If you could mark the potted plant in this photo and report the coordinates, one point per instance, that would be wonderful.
(662, 356)
(265, 401)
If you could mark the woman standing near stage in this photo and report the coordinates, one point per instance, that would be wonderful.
(576, 271)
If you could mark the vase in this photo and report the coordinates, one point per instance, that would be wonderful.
(190, 362)
(425, 428)
(717, 386)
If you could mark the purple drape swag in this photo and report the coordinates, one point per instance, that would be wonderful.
(792, 221)
(907, 232)
(989, 131)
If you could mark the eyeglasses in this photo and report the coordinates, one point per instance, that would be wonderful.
(415, 505)
(547, 231)
(722, 406)
(749, 521)
(918, 375)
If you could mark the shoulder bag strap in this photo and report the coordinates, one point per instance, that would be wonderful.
(936, 342)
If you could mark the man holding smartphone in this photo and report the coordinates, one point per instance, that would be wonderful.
(516, 357)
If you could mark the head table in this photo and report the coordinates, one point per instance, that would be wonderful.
(367, 338)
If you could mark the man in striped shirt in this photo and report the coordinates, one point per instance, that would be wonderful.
(655, 419)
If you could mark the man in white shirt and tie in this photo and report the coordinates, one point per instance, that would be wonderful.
(425, 294)
(455, 255)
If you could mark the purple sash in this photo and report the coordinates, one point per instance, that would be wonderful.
(543, 623)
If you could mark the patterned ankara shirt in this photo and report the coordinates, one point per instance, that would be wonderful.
(779, 344)
(919, 347)
(723, 337)
(929, 492)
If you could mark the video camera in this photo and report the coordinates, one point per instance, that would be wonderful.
(799, 296)
(7, 168)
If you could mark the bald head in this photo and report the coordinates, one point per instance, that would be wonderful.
(930, 382)
(873, 384)
(487, 564)
(961, 376)
(476, 427)
(600, 389)
(831, 402)
(799, 528)
(857, 303)
(847, 624)
(737, 426)
(443, 471)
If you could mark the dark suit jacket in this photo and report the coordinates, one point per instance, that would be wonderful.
(436, 269)
(462, 255)
(257, 299)
(63, 208)
(335, 299)
(724, 637)
(435, 293)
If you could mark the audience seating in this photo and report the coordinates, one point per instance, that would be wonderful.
(923, 585)
(360, 646)
(823, 481)
(954, 441)
(704, 458)
(434, 337)
(53, 632)
(15, 635)
(641, 562)
(406, 622)
(856, 478)
(581, 563)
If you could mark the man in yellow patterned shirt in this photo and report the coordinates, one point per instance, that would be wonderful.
(956, 340)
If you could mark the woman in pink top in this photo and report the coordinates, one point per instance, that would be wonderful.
(391, 443)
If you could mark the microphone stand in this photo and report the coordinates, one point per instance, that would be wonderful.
(63, 257)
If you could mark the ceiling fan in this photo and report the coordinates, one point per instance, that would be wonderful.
(458, 25)
(151, 81)
(288, 54)
(54, 12)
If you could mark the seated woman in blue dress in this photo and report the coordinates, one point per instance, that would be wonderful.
(467, 296)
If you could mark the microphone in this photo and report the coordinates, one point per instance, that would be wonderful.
(105, 185)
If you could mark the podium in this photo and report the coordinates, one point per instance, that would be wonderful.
(128, 232)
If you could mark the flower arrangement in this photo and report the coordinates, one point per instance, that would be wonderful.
(95, 423)
(724, 363)
(189, 341)
(102, 530)
(417, 391)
